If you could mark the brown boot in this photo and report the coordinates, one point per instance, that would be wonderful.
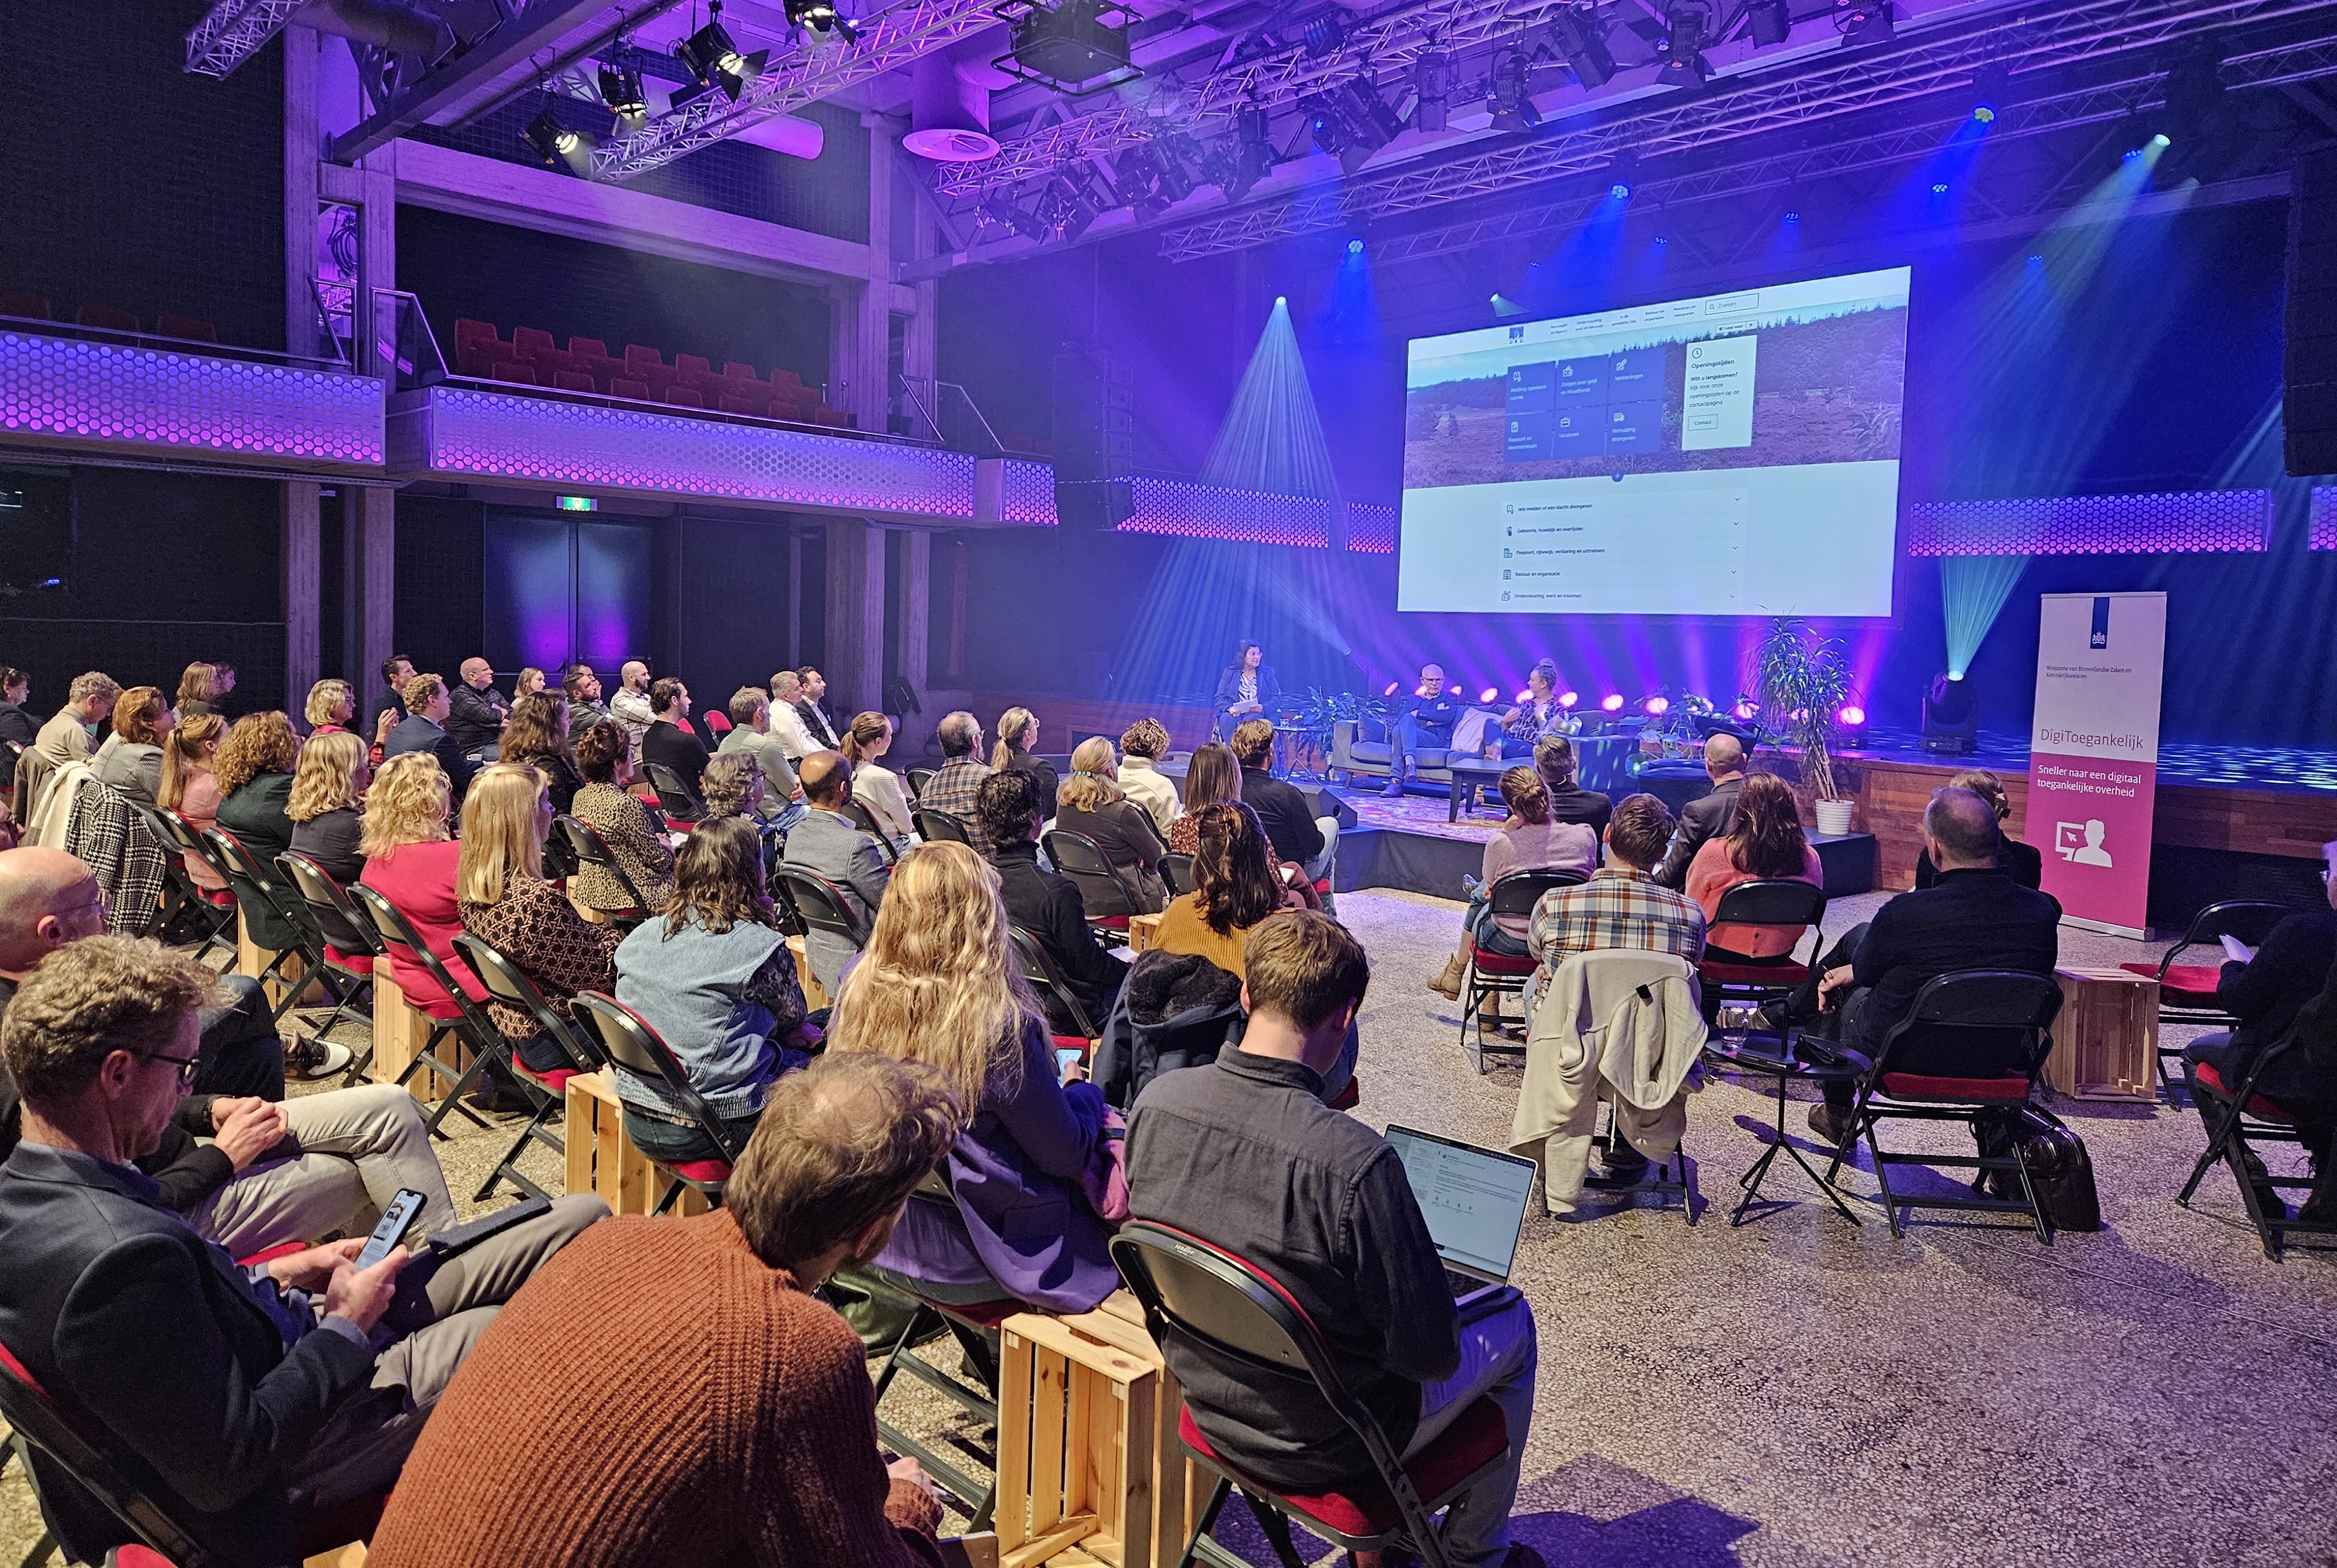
(1448, 983)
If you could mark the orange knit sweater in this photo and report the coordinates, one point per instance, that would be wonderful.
(656, 1396)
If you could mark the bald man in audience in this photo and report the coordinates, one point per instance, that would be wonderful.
(1709, 818)
(828, 844)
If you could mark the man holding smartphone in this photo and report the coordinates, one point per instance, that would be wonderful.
(252, 1395)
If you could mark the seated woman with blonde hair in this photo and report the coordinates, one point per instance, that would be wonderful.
(330, 704)
(326, 825)
(191, 789)
(504, 901)
(938, 984)
(1092, 803)
(411, 861)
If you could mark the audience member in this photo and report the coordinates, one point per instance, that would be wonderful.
(787, 724)
(1213, 777)
(952, 790)
(1555, 760)
(939, 985)
(1244, 1154)
(537, 735)
(237, 1391)
(1142, 746)
(411, 862)
(1090, 802)
(2303, 1081)
(1298, 835)
(866, 741)
(2019, 861)
(223, 673)
(1529, 841)
(715, 979)
(198, 691)
(816, 727)
(606, 807)
(132, 758)
(331, 706)
(749, 1431)
(503, 900)
(267, 1172)
(477, 712)
(1236, 885)
(423, 729)
(669, 742)
(528, 682)
(1764, 843)
(389, 701)
(581, 688)
(1524, 726)
(1974, 917)
(733, 787)
(1046, 904)
(1709, 816)
(1622, 905)
(16, 690)
(750, 731)
(326, 825)
(1425, 713)
(828, 844)
(1018, 732)
(89, 702)
(1247, 690)
(191, 789)
(629, 706)
(253, 771)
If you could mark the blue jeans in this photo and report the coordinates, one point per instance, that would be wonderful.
(1409, 729)
(1498, 1355)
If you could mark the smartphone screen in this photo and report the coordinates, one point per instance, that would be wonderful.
(396, 1221)
(1065, 1060)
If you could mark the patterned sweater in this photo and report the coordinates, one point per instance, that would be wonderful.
(537, 929)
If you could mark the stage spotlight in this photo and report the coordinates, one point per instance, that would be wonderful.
(1175, 182)
(1950, 714)
(1657, 707)
(1366, 122)
(1620, 190)
(1938, 187)
(2160, 140)
(556, 146)
(1322, 37)
(620, 87)
(1624, 176)
(818, 18)
(1581, 37)
(1507, 98)
(1990, 88)
(1355, 247)
(1453, 689)
(1431, 91)
(1567, 699)
(711, 56)
(1488, 694)
(1862, 23)
(1067, 206)
(1744, 711)
(1772, 21)
(1792, 217)
(1001, 209)
(1851, 717)
(1682, 49)
(1523, 697)
(1613, 703)
(1390, 690)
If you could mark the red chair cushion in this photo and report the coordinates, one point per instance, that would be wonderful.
(1923, 1086)
(1783, 975)
(130, 1555)
(1492, 963)
(1367, 1508)
(281, 1249)
(556, 1079)
(1073, 1043)
(2185, 985)
(1347, 1099)
(1111, 922)
(706, 1170)
(2257, 1105)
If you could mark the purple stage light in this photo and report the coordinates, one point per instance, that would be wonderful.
(1851, 717)
(1525, 696)
(1371, 529)
(1188, 511)
(1390, 690)
(1453, 689)
(1658, 706)
(1567, 699)
(1488, 694)
(1026, 492)
(2186, 521)
(1613, 703)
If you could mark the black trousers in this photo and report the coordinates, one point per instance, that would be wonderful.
(239, 1053)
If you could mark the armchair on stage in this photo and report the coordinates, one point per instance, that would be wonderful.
(1359, 758)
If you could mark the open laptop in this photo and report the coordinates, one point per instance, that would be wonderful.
(1475, 1200)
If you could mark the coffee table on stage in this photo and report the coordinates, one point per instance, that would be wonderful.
(1789, 1066)
(1470, 774)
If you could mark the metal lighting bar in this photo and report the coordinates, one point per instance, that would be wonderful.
(538, 26)
(232, 31)
(891, 39)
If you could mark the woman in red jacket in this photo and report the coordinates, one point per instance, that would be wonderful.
(411, 862)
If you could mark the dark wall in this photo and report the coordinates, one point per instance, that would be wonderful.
(463, 266)
(441, 569)
(732, 627)
(131, 183)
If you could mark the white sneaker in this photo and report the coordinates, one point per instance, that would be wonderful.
(309, 1058)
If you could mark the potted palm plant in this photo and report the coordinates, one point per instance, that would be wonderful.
(1801, 679)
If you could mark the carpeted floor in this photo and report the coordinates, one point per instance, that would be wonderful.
(1800, 1391)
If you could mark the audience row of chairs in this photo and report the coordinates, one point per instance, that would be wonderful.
(109, 318)
(531, 357)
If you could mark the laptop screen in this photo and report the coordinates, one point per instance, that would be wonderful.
(1473, 1199)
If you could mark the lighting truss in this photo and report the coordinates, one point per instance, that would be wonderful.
(1837, 84)
(233, 31)
(889, 41)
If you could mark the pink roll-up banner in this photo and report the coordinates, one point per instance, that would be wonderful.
(2093, 753)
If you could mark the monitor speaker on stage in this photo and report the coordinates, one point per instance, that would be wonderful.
(1095, 438)
(2309, 364)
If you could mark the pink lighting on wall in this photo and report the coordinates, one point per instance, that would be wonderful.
(1613, 702)
(1567, 699)
(2186, 521)
(2323, 525)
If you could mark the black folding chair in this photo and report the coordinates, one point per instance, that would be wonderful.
(1987, 1014)
(346, 941)
(626, 1039)
(468, 1026)
(2186, 992)
(676, 799)
(507, 982)
(587, 847)
(857, 812)
(1107, 895)
(821, 906)
(1493, 976)
(189, 901)
(2238, 1117)
(256, 888)
(940, 827)
(917, 779)
(1206, 1295)
(1176, 870)
(1046, 977)
(1764, 921)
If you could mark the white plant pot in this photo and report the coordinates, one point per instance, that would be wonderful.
(1833, 817)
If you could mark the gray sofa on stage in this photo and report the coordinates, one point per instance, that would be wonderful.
(1357, 758)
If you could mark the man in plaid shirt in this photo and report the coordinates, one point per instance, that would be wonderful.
(953, 789)
(1621, 906)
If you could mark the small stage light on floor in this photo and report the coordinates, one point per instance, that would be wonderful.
(1612, 703)
(1657, 707)
(1488, 694)
(1567, 699)
(1390, 690)
(1522, 697)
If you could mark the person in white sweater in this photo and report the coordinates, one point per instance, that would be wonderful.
(866, 740)
(1142, 746)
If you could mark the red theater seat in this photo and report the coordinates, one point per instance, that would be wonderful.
(513, 371)
(468, 331)
(635, 354)
(531, 341)
(194, 329)
(692, 365)
(112, 318)
(638, 391)
(588, 347)
(478, 358)
(738, 370)
(573, 381)
(1479, 1437)
(730, 404)
(2185, 985)
(30, 307)
(1923, 1086)
(782, 377)
(683, 397)
(2257, 1105)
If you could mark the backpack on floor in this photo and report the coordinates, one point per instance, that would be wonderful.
(2059, 1169)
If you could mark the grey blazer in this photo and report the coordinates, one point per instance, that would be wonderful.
(827, 844)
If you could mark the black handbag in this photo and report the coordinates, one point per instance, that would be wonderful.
(2059, 1169)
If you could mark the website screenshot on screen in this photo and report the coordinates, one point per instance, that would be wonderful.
(1729, 455)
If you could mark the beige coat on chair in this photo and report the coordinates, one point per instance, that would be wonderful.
(1619, 1024)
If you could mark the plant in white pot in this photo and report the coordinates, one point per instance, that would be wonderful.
(1801, 678)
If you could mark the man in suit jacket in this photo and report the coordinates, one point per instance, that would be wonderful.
(424, 729)
(266, 1395)
(1724, 758)
(814, 717)
(827, 844)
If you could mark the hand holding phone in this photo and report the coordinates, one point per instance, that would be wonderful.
(396, 1221)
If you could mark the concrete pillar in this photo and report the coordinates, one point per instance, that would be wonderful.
(300, 336)
(303, 556)
(371, 579)
(860, 329)
(855, 615)
(914, 633)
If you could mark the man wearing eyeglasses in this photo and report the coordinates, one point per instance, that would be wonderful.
(252, 1395)
(246, 1171)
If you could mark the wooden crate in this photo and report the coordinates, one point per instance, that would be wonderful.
(1143, 931)
(603, 1160)
(1091, 1469)
(815, 995)
(252, 959)
(400, 1031)
(2106, 1040)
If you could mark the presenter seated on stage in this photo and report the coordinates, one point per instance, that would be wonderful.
(1424, 716)
(1247, 689)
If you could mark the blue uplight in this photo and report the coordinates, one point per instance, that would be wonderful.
(1620, 190)
(1940, 187)
(1355, 247)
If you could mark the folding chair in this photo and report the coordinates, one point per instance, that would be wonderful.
(1492, 976)
(1039, 967)
(976, 1497)
(465, 1023)
(1176, 870)
(940, 827)
(917, 779)
(215, 922)
(865, 820)
(587, 847)
(508, 984)
(625, 1038)
(2002, 1009)
(676, 799)
(254, 887)
(1106, 894)
(346, 941)
(2186, 992)
(821, 906)
(2238, 1116)
(1764, 921)
(1204, 1295)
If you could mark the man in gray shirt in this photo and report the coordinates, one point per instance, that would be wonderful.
(750, 731)
(827, 844)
